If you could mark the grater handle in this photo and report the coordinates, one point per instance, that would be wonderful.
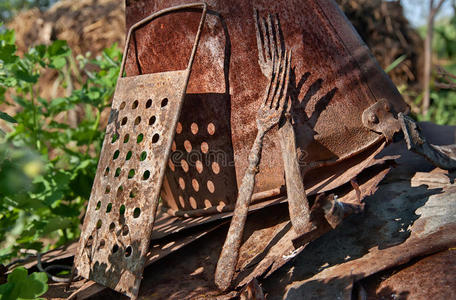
(153, 16)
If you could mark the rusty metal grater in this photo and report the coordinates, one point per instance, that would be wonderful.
(121, 212)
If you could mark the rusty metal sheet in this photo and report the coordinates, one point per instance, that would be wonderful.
(268, 245)
(160, 248)
(400, 222)
(334, 80)
(120, 216)
(429, 278)
(123, 204)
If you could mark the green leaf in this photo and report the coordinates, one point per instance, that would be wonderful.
(58, 48)
(9, 37)
(20, 285)
(25, 76)
(6, 117)
(7, 54)
(58, 62)
(395, 63)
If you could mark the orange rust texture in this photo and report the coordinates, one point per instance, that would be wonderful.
(335, 79)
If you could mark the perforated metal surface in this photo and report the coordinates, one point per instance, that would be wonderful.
(123, 205)
(201, 177)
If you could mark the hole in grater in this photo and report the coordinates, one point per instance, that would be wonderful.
(89, 241)
(137, 120)
(109, 207)
(204, 147)
(143, 156)
(211, 128)
(131, 173)
(119, 191)
(125, 230)
(124, 121)
(106, 171)
(98, 205)
(135, 104)
(99, 223)
(116, 155)
(136, 212)
(152, 120)
(108, 189)
(207, 203)
(115, 248)
(122, 105)
(210, 186)
(149, 103)
(171, 165)
(215, 167)
(126, 138)
(115, 137)
(112, 226)
(146, 175)
(193, 203)
(199, 166)
(155, 138)
(184, 165)
(133, 193)
(102, 244)
(187, 146)
(194, 128)
(164, 102)
(117, 172)
(128, 251)
(173, 146)
(220, 206)
(122, 210)
(195, 185)
(178, 128)
(129, 154)
(182, 183)
(181, 201)
(140, 138)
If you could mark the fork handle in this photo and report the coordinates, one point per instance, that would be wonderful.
(227, 262)
(298, 204)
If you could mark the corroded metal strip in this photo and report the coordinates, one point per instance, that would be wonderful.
(123, 204)
(441, 156)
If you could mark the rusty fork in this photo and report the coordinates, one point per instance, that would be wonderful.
(269, 32)
(270, 112)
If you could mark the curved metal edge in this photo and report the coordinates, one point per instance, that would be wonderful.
(153, 16)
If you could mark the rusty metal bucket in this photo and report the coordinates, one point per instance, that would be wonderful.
(122, 209)
(335, 79)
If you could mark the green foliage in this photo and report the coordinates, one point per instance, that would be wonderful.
(20, 285)
(47, 165)
(443, 106)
